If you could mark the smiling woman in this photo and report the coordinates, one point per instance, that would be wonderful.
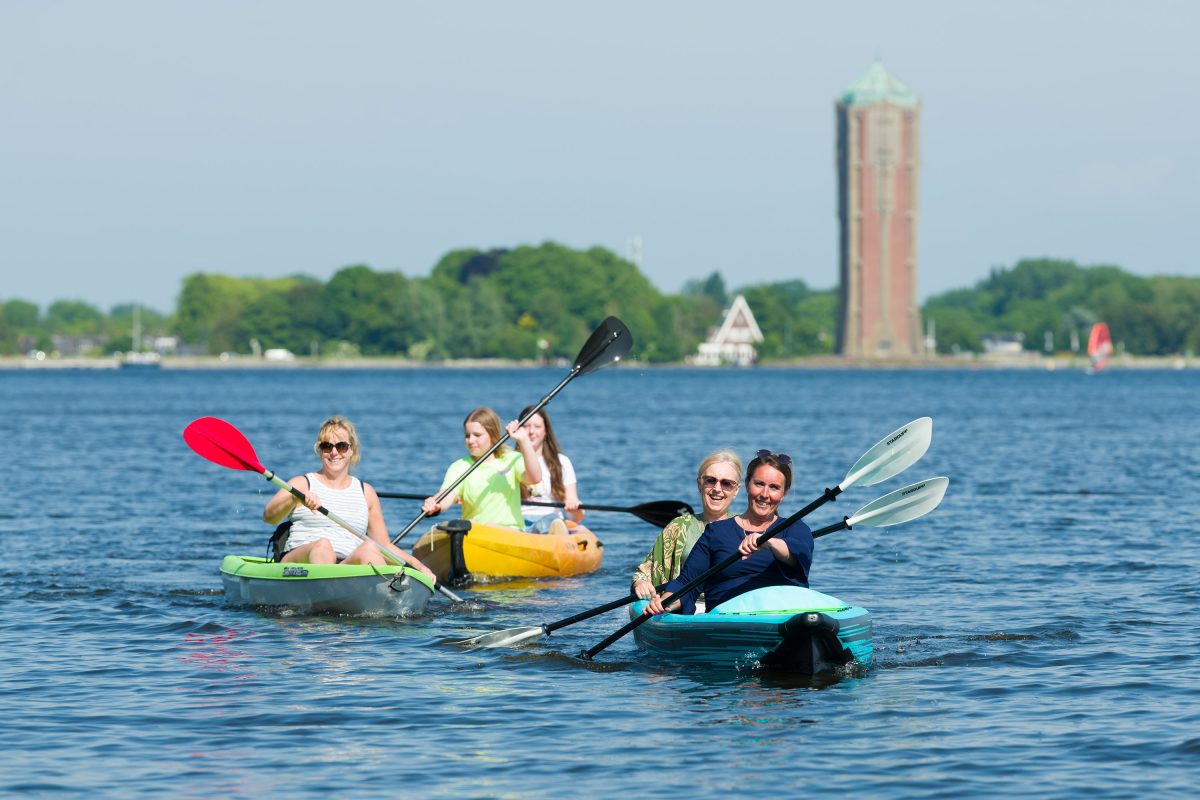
(312, 537)
(783, 560)
(717, 479)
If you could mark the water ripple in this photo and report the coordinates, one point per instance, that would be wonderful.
(1036, 635)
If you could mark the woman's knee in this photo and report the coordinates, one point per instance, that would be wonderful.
(365, 553)
(322, 552)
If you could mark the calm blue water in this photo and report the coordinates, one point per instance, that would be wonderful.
(1036, 635)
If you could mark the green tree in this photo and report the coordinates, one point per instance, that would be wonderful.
(1150, 316)
(712, 287)
(18, 321)
(73, 318)
(794, 320)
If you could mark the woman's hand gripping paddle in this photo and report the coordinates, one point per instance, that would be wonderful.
(222, 443)
(608, 344)
(893, 454)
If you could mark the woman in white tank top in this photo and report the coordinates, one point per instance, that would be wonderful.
(558, 478)
(314, 538)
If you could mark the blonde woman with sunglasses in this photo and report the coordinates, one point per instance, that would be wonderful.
(717, 480)
(783, 560)
(313, 537)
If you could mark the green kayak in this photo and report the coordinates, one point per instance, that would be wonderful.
(325, 588)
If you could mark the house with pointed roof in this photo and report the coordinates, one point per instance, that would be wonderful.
(732, 342)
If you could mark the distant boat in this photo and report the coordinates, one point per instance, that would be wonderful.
(1099, 348)
(137, 358)
(141, 360)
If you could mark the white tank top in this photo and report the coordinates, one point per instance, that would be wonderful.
(350, 504)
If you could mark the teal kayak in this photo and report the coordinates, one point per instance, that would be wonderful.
(786, 627)
(325, 588)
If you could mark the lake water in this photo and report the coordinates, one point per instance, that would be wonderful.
(1036, 635)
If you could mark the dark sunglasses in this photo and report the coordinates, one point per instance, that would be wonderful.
(782, 458)
(709, 482)
(327, 447)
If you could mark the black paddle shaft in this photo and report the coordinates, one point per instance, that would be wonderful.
(657, 512)
(828, 496)
(580, 617)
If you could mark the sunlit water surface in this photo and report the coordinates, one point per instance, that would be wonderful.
(1036, 635)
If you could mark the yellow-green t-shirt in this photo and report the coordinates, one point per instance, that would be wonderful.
(490, 495)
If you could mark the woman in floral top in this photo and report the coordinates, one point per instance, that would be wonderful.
(718, 480)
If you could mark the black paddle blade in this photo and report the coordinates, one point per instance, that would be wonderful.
(661, 512)
(608, 344)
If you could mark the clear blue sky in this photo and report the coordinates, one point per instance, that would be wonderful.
(143, 141)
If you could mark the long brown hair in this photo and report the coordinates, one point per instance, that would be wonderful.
(550, 452)
(490, 423)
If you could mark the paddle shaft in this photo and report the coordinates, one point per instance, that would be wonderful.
(546, 503)
(657, 512)
(299, 495)
(580, 617)
(829, 495)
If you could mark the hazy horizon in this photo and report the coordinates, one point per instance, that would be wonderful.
(145, 141)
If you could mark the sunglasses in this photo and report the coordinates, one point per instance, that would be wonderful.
(327, 447)
(782, 458)
(708, 481)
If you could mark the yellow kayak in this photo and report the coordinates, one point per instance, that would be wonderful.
(492, 552)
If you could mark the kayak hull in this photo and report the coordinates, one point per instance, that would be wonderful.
(492, 552)
(785, 627)
(356, 589)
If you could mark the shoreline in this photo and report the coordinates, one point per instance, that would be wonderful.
(1032, 361)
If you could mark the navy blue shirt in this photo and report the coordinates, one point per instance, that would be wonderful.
(719, 541)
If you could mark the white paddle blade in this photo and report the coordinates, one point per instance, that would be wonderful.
(505, 638)
(895, 453)
(902, 505)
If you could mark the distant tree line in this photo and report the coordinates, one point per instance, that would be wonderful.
(528, 302)
(1053, 304)
(23, 327)
(542, 302)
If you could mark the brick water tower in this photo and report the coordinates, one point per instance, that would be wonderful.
(878, 137)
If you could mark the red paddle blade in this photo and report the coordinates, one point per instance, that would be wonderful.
(221, 443)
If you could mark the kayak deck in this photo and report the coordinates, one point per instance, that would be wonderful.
(355, 589)
(493, 552)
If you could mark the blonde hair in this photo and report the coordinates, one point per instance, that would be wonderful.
(338, 421)
(491, 424)
(719, 456)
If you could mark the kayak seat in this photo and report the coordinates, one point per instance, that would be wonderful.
(455, 530)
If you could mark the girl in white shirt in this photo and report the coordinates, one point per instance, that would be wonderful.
(558, 478)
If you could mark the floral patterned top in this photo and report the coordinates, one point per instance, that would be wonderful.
(670, 550)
